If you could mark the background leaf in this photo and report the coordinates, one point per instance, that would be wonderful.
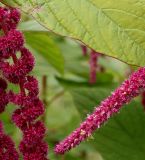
(71, 84)
(45, 46)
(104, 26)
(87, 96)
(32, 26)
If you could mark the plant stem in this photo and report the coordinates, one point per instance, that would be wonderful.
(14, 57)
(44, 89)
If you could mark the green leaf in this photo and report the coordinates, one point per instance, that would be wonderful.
(46, 47)
(115, 28)
(87, 98)
(32, 26)
(68, 83)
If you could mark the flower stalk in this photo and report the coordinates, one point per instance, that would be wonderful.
(93, 66)
(84, 50)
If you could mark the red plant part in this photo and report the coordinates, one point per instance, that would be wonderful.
(111, 105)
(3, 95)
(93, 66)
(143, 100)
(93, 63)
(7, 147)
(30, 106)
(84, 49)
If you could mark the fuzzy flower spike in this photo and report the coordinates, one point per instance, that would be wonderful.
(121, 96)
(7, 148)
(33, 146)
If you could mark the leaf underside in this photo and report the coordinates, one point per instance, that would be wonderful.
(115, 28)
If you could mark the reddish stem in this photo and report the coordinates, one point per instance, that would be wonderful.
(143, 100)
(84, 50)
(14, 58)
(21, 84)
(93, 66)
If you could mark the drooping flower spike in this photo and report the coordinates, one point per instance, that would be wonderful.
(9, 18)
(111, 105)
(17, 72)
(7, 147)
(3, 95)
(30, 106)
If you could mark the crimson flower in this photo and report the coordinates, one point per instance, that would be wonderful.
(31, 107)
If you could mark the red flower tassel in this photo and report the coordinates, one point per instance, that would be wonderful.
(7, 148)
(30, 106)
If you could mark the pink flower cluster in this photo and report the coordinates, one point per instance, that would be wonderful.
(9, 18)
(7, 148)
(31, 107)
(122, 95)
(3, 95)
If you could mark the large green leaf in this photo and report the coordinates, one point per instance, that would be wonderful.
(45, 46)
(115, 28)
